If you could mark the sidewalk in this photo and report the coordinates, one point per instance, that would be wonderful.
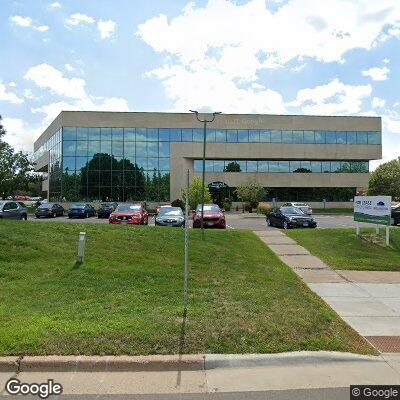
(369, 301)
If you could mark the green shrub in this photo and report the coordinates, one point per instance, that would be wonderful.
(227, 205)
(264, 208)
(178, 203)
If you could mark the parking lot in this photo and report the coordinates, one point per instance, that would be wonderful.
(234, 221)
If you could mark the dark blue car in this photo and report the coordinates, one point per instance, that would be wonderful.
(81, 210)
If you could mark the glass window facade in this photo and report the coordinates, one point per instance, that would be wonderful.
(100, 163)
(271, 166)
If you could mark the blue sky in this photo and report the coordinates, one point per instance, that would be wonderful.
(336, 57)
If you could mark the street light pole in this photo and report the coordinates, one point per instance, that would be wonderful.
(204, 122)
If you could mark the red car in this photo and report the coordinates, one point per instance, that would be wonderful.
(213, 217)
(129, 214)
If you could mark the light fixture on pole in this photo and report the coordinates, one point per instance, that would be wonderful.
(204, 122)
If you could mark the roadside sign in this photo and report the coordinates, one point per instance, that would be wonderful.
(372, 209)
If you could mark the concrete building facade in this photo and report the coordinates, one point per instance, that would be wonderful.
(135, 156)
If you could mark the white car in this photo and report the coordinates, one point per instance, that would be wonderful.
(303, 207)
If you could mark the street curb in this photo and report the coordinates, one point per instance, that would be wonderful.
(191, 362)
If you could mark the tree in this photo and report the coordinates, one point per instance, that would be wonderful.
(195, 193)
(15, 168)
(251, 192)
(233, 166)
(385, 180)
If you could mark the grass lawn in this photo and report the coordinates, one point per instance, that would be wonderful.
(127, 296)
(345, 211)
(342, 249)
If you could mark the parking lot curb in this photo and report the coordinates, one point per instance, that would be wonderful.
(190, 362)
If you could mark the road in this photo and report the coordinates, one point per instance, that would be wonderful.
(234, 221)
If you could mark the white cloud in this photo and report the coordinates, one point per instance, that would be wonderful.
(79, 19)
(26, 22)
(56, 4)
(376, 73)
(46, 76)
(386, 60)
(19, 135)
(298, 68)
(12, 84)
(106, 28)
(9, 96)
(378, 102)
(69, 67)
(334, 97)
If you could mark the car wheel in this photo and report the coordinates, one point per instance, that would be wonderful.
(86, 215)
(24, 217)
(269, 222)
(285, 225)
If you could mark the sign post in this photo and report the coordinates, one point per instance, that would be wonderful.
(375, 210)
(186, 267)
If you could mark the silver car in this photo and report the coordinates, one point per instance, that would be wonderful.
(303, 207)
(13, 210)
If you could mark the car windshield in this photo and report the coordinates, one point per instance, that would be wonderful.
(291, 211)
(171, 212)
(105, 205)
(209, 208)
(129, 207)
(2, 203)
(300, 205)
(77, 205)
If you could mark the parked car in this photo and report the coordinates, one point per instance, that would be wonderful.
(49, 210)
(170, 216)
(290, 217)
(213, 217)
(81, 210)
(303, 207)
(106, 209)
(129, 214)
(159, 208)
(13, 210)
(396, 214)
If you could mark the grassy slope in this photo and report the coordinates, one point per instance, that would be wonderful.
(127, 296)
(341, 249)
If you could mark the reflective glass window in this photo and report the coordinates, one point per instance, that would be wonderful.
(141, 134)
(94, 134)
(69, 133)
(341, 138)
(152, 163)
(316, 166)
(374, 138)
(198, 135)
(68, 163)
(330, 137)
(141, 162)
(294, 166)
(176, 135)
(283, 166)
(231, 136)
(273, 166)
(305, 165)
(242, 165)
(163, 149)
(129, 134)
(362, 138)
(344, 166)
(262, 166)
(265, 136)
(287, 137)
(210, 134)
(254, 136)
(152, 149)
(141, 149)
(187, 135)
(320, 137)
(163, 135)
(81, 133)
(152, 134)
(81, 148)
(298, 137)
(209, 166)
(164, 164)
(335, 166)
(276, 137)
(243, 135)
(129, 149)
(220, 135)
(251, 166)
(198, 166)
(69, 148)
(351, 138)
(118, 149)
(105, 134)
(105, 162)
(81, 162)
(309, 137)
(218, 166)
(105, 147)
(326, 166)
(93, 148)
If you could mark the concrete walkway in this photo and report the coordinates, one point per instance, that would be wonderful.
(369, 301)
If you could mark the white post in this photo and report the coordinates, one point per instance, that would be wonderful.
(387, 235)
(377, 229)
(186, 270)
(81, 247)
(357, 228)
